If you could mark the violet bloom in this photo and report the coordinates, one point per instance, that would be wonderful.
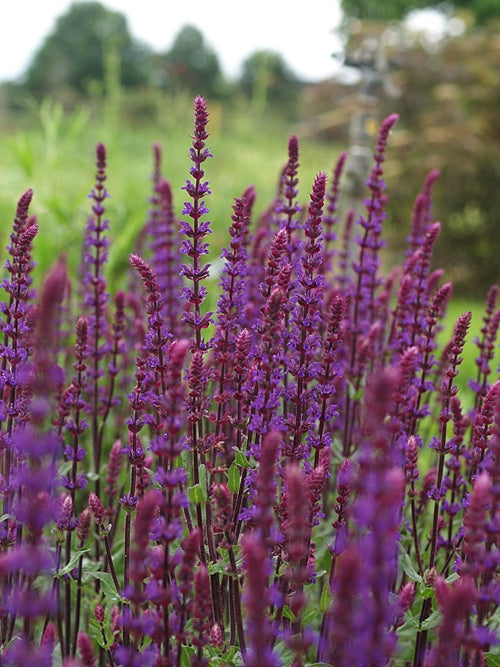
(427, 360)
(479, 556)
(440, 444)
(296, 528)
(143, 522)
(414, 294)
(288, 208)
(257, 600)
(422, 213)
(73, 403)
(456, 638)
(486, 345)
(304, 340)
(232, 282)
(330, 216)
(322, 405)
(370, 241)
(265, 378)
(17, 327)
(339, 644)
(113, 470)
(86, 650)
(492, 458)
(22, 652)
(263, 491)
(157, 337)
(202, 609)
(230, 307)
(375, 518)
(96, 298)
(194, 246)
(165, 246)
(35, 507)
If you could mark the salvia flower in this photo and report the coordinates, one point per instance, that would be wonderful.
(194, 246)
(257, 600)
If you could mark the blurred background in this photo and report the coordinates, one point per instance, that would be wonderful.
(125, 73)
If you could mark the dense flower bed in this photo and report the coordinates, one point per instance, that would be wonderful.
(291, 479)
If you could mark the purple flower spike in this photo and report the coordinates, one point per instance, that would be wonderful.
(202, 609)
(290, 208)
(257, 599)
(455, 634)
(142, 527)
(330, 217)
(306, 319)
(17, 323)
(96, 507)
(86, 651)
(370, 242)
(263, 490)
(336, 644)
(196, 230)
(297, 533)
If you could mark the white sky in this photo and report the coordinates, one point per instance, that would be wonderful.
(301, 30)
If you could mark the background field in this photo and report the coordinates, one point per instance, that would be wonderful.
(52, 152)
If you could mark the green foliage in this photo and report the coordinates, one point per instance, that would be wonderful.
(49, 150)
(266, 80)
(395, 10)
(192, 66)
(74, 55)
(389, 10)
(449, 98)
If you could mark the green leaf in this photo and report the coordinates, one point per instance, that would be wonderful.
(96, 634)
(233, 474)
(433, 621)
(202, 476)
(325, 601)
(108, 587)
(355, 394)
(240, 458)
(407, 565)
(186, 652)
(195, 494)
(75, 557)
(426, 592)
(288, 613)
(217, 568)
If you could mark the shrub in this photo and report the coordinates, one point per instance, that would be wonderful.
(292, 478)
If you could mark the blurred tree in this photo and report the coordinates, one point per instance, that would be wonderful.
(191, 65)
(448, 103)
(76, 53)
(447, 93)
(267, 79)
(390, 10)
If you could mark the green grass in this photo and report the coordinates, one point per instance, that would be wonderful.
(54, 155)
(468, 368)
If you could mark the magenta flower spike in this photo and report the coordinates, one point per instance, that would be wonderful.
(301, 475)
(288, 210)
(330, 216)
(306, 317)
(197, 229)
(257, 600)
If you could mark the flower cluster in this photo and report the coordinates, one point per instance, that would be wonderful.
(302, 476)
